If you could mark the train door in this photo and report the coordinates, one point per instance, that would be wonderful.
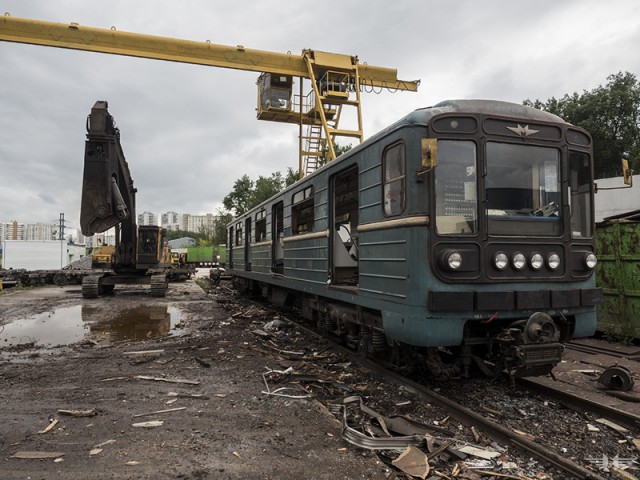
(247, 245)
(344, 228)
(277, 238)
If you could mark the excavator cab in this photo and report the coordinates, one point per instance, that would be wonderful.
(153, 250)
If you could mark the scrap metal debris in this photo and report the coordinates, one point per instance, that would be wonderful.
(168, 380)
(79, 413)
(617, 377)
(149, 424)
(37, 455)
(413, 462)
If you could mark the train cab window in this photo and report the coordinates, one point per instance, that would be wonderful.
(456, 188)
(302, 211)
(261, 226)
(239, 237)
(523, 190)
(393, 180)
(580, 185)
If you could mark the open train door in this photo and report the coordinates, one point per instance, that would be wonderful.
(277, 232)
(344, 228)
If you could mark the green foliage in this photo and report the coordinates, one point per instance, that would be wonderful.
(611, 114)
(247, 193)
(339, 149)
(220, 230)
(624, 333)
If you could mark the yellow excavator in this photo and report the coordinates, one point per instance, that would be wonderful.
(141, 254)
(335, 81)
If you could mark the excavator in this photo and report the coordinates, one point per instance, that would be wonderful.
(141, 253)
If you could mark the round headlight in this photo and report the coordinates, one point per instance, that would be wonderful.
(553, 261)
(519, 261)
(500, 260)
(591, 261)
(537, 261)
(454, 261)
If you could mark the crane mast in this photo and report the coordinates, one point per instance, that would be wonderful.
(336, 80)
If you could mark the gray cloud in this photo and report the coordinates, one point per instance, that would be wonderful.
(190, 131)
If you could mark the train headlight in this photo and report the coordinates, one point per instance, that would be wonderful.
(537, 261)
(454, 261)
(519, 261)
(553, 261)
(500, 260)
(591, 261)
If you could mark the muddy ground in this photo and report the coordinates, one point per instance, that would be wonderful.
(223, 426)
(204, 367)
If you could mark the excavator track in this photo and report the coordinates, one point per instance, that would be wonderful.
(91, 286)
(159, 285)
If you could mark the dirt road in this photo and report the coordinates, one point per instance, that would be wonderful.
(76, 389)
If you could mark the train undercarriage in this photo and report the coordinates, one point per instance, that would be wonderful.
(518, 348)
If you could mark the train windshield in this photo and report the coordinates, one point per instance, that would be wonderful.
(522, 188)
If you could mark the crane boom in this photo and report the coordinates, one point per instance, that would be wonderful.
(335, 78)
(79, 37)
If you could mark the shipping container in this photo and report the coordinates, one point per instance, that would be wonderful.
(39, 254)
(618, 274)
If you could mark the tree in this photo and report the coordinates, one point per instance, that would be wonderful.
(246, 193)
(238, 200)
(220, 228)
(339, 149)
(611, 114)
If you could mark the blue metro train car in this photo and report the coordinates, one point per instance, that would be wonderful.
(461, 237)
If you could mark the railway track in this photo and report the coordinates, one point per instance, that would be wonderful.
(491, 428)
(629, 354)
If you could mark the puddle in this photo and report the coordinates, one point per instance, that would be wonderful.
(64, 326)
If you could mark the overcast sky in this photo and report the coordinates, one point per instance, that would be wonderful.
(189, 132)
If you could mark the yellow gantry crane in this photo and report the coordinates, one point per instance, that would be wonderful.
(336, 80)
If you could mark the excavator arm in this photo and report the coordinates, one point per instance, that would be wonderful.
(108, 195)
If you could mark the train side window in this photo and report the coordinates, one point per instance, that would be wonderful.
(393, 180)
(580, 185)
(302, 211)
(261, 226)
(239, 237)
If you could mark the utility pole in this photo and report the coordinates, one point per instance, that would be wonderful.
(61, 227)
(61, 238)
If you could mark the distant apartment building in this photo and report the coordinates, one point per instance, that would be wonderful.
(147, 218)
(41, 231)
(170, 220)
(12, 230)
(199, 223)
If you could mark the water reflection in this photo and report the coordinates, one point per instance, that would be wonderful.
(139, 323)
(64, 326)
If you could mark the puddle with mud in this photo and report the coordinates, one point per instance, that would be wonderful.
(64, 326)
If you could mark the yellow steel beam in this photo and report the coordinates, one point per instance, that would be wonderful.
(79, 37)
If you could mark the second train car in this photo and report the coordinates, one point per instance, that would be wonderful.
(459, 239)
